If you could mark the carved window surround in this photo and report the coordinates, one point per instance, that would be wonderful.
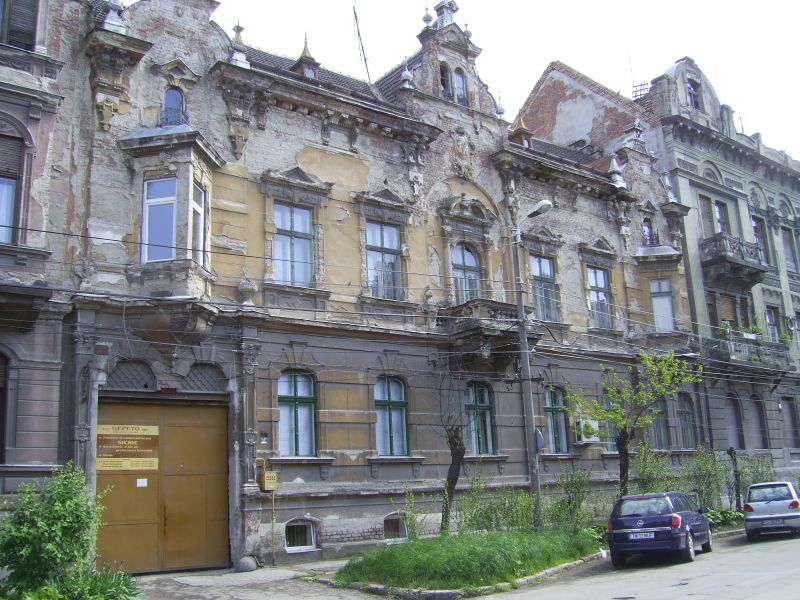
(112, 56)
(599, 254)
(36, 64)
(375, 463)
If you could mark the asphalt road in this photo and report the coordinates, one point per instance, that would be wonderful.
(736, 569)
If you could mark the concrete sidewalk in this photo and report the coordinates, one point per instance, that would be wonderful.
(278, 583)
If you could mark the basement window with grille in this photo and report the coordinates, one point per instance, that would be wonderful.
(300, 536)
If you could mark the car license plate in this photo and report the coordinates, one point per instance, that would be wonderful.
(773, 522)
(644, 535)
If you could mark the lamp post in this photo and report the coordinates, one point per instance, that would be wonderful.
(527, 389)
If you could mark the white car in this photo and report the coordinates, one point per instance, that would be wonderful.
(772, 506)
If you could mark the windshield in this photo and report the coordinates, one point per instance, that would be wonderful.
(769, 493)
(644, 507)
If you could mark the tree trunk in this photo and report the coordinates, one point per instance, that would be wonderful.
(737, 484)
(623, 439)
(455, 441)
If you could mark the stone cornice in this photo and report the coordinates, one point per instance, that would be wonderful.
(734, 146)
(166, 141)
(249, 92)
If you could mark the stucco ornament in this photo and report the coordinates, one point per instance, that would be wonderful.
(463, 148)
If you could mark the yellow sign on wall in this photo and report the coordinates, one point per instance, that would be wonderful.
(127, 447)
(268, 481)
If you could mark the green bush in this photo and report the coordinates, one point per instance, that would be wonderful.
(654, 472)
(50, 532)
(567, 510)
(725, 517)
(467, 560)
(754, 469)
(705, 475)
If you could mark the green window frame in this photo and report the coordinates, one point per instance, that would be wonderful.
(480, 415)
(297, 402)
(391, 406)
(556, 412)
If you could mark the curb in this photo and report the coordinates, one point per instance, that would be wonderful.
(420, 594)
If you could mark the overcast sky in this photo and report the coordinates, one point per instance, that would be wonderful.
(748, 50)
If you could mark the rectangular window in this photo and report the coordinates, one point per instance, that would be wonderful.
(611, 431)
(543, 288)
(661, 297)
(556, 421)
(297, 404)
(706, 216)
(789, 250)
(160, 198)
(198, 245)
(773, 331)
(479, 413)
(300, 537)
(693, 94)
(600, 297)
(8, 201)
(391, 405)
(721, 216)
(759, 232)
(686, 423)
(18, 23)
(384, 263)
(293, 255)
(659, 431)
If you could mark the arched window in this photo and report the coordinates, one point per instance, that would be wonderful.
(478, 405)
(648, 236)
(659, 430)
(791, 424)
(444, 83)
(297, 401)
(204, 377)
(394, 527)
(461, 87)
(173, 108)
(733, 422)
(686, 422)
(556, 421)
(300, 535)
(391, 406)
(466, 273)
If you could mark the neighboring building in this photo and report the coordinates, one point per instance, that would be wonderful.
(741, 199)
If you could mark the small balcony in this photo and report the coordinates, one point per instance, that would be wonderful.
(731, 263)
(758, 353)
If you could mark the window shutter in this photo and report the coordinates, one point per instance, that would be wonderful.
(10, 156)
(22, 23)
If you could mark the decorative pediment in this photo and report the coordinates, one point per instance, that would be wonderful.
(471, 209)
(177, 73)
(599, 252)
(648, 207)
(295, 185)
(542, 241)
(383, 205)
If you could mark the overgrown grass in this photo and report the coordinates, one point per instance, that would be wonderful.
(466, 561)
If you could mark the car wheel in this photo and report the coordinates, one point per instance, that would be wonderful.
(752, 536)
(687, 554)
(709, 545)
(617, 559)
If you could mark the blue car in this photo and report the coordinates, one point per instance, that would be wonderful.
(664, 522)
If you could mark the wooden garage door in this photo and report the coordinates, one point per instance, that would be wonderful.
(166, 471)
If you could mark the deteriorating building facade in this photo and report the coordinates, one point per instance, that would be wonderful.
(739, 234)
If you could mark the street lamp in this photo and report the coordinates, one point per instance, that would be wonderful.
(539, 208)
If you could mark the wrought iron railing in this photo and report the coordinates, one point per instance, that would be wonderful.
(727, 245)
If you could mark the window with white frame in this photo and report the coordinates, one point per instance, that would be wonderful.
(297, 401)
(466, 273)
(391, 406)
(600, 297)
(661, 298)
(686, 421)
(160, 210)
(556, 413)
(300, 536)
(293, 245)
(478, 406)
(199, 242)
(543, 288)
(384, 261)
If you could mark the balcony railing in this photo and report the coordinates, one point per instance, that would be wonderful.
(725, 245)
(731, 262)
(757, 352)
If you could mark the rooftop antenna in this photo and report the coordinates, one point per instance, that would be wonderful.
(361, 43)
